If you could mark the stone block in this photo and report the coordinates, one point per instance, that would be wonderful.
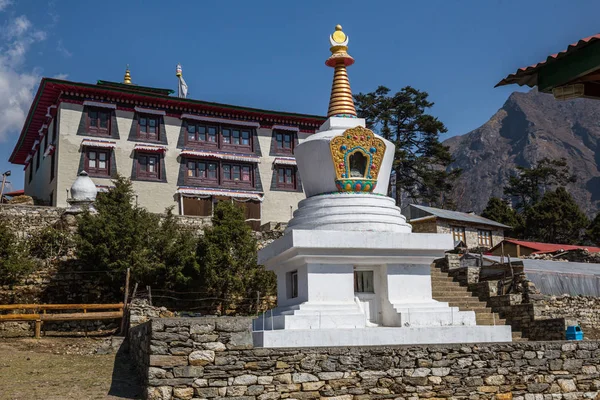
(494, 380)
(159, 393)
(265, 380)
(183, 393)
(233, 324)
(567, 385)
(202, 328)
(201, 357)
(167, 361)
(214, 346)
(188, 372)
(310, 386)
(326, 376)
(245, 380)
(240, 341)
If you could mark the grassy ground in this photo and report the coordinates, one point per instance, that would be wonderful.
(63, 368)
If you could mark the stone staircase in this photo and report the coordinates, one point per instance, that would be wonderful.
(445, 288)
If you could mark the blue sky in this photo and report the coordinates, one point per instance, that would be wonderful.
(271, 54)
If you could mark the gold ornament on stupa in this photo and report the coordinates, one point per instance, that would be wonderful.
(127, 78)
(357, 154)
(341, 103)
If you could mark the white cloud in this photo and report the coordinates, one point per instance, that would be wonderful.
(16, 84)
(62, 49)
(61, 76)
(4, 4)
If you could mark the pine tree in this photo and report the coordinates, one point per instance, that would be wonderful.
(122, 235)
(593, 231)
(421, 162)
(556, 218)
(228, 260)
(498, 210)
(530, 184)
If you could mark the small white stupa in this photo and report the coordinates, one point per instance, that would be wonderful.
(83, 194)
(349, 269)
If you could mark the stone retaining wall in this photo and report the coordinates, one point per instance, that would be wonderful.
(584, 309)
(26, 219)
(212, 357)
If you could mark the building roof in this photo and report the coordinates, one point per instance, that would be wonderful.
(15, 193)
(540, 248)
(455, 216)
(51, 91)
(529, 75)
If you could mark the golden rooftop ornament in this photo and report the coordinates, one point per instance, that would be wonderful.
(127, 78)
(341, 103)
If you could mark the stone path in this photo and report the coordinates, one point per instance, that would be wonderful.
(63, 368)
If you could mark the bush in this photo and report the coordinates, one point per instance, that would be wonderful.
(227, 257)
(15, 261)
(122, 235)
(50, 243)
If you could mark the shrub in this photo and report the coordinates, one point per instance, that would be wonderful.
(227, 259)
(15, 261)
(50, 243)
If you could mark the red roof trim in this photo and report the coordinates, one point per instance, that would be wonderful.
(541, 248)
(15, 193)
(50, 92)
(519, 76)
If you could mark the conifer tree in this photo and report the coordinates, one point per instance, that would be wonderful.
(530, 184)
(593, 231)
(498, 210)
(421, 162)
(227, 258)
(123, 235)
(556, 218)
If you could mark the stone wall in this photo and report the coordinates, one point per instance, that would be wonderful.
(585, 310)
(25, 219)
(212, 357)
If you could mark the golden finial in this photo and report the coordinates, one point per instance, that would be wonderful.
(127, 78)
(341, 103)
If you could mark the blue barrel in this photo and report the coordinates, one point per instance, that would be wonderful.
(574, 332)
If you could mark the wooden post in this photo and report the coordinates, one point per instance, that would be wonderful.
(257, 301)
(149, 294)
(125, 307)
(38, 328)
(134, 291)
(86, 324)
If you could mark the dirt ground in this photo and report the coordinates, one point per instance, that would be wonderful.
(54, 368)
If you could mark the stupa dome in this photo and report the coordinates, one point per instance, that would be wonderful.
(83, 189)
(344, 156)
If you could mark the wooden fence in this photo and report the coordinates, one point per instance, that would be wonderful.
(40, 313)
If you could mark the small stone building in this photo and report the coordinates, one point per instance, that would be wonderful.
(473, 230)
(522, 248)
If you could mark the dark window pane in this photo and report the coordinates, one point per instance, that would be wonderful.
(212, 171)
(103, 120)
(227, 172)
(287, 141)
(245, 138)
(143, 122)
(202, 133)
(236, 137)
(288, 175)
(246, 174)
(280, 175)
(94, 118)
(191, 168)
(212, 134)
(236, 172)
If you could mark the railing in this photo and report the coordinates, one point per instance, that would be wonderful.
(40, 313)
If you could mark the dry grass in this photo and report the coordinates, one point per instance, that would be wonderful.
(63, 368)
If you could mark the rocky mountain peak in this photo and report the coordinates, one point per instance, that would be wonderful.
(529, 127)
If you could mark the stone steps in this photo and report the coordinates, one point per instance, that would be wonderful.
(446, 289)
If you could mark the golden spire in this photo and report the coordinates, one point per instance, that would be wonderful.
(341, 103)
(127, 78)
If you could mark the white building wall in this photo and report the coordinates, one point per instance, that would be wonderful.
(277, 205)
(40, 187)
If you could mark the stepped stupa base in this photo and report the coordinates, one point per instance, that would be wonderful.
(381, 336)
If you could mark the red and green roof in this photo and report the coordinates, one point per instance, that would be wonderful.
(579, 60)
(51, 91)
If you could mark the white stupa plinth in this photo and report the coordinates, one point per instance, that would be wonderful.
(349, 269)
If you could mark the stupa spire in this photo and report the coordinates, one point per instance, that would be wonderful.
(341, 103)
(127, 77)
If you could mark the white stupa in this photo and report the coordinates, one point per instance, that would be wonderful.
(349, 269)
(83, 194)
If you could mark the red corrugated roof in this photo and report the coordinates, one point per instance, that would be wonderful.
(528, 75)
(551, 247)
(15, 193)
